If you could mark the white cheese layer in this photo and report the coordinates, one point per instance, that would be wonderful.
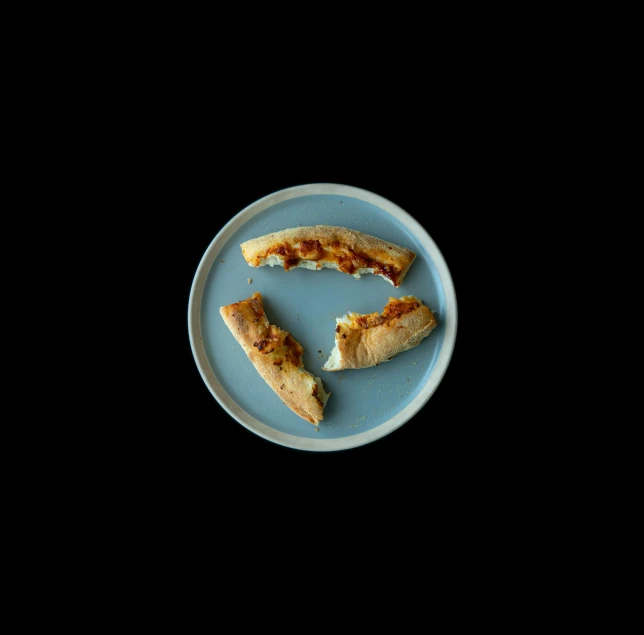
(275, 259)
(335, 358)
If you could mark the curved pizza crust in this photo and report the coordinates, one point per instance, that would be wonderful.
(317, 246)
(277, 357)
(367, 340)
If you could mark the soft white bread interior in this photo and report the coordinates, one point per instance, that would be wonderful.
(274, 260)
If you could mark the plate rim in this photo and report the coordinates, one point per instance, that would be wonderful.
(231, 407)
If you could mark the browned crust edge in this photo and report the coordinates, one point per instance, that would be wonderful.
(248, 323)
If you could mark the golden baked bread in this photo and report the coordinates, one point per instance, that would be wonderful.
(317, 246)
(367, 340)
(277, 357)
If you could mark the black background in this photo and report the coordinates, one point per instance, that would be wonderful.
(139, 214)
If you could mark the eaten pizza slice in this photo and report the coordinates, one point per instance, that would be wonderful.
(327, 246)
(277, 357)
(365, 340)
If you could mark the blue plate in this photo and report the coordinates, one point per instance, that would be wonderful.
(365, 404)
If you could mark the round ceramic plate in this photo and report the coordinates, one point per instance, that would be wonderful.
(365, 404)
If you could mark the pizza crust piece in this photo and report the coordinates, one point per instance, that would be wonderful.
(277, 357)
(327, 246)
(367, 340)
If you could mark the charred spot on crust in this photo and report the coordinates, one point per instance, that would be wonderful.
(260, 346)
(344, 335)
(278, 363)
(337, 328)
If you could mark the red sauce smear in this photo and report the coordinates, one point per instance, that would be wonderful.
(349, 261)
